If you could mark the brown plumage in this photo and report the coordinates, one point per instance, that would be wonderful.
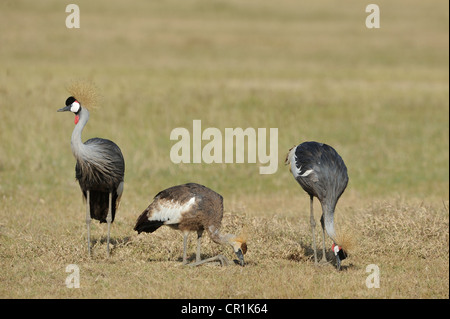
(190, 207)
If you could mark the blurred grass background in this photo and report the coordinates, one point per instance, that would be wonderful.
(311, 69)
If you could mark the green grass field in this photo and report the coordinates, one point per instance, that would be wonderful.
(311, 69)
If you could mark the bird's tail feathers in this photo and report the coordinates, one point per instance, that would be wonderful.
(145, 225)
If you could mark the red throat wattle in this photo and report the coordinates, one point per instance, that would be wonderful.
(77, 118)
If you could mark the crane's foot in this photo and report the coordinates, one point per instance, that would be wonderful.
(220, 258)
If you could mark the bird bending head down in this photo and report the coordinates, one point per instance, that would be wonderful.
(343, 246)
(191, 208)
(239, 243)
(340, 254)
(322, 173)
(240, 248)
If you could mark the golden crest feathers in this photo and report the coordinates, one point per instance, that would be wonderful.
(346, 240)
(242, 238)
(86, 93)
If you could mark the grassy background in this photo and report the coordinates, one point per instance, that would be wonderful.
(312, 70)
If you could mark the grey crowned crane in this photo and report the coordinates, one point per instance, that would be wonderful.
(321, 172)
(191, 207)
(99, 169)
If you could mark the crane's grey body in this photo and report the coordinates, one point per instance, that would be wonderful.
(190, 207)
(322, 173)
(101, 174)
(99, 171)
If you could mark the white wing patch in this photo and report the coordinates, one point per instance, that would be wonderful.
(170, 212)
(294, 169)
(306, 173)
(292, 160)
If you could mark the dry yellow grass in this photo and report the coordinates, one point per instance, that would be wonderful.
(408, 243)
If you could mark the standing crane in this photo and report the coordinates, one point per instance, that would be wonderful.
(191, 207)
(99, 170)
(321, 172)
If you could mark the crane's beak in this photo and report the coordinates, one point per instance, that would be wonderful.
(240, 255)
(338, 262)
(341, 255)
(64, 109)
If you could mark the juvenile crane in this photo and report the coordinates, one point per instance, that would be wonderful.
(190, 207)
(99, 169)
(321, 172)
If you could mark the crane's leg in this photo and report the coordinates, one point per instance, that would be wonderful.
(199, 239)
(185, 237)
(108, 220)
(88, 221)
(222, 259)
(324, 255)
(313, 226)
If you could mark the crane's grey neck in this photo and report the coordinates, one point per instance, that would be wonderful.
(78, 148)
(328, 220)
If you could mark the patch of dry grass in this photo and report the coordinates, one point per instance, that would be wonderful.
(409, 243)
(405, 229)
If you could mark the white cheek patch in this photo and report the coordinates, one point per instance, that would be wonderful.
(75, 107)
(336, 249)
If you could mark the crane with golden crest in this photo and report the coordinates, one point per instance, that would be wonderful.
(322, 173)
(100, 166)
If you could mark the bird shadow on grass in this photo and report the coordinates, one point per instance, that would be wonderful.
(114, 242)
(191, 259)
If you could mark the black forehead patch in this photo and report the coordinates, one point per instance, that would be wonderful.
(70, 100)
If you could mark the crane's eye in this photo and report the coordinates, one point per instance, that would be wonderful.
(75, 107)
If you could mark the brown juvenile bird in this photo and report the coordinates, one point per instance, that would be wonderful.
(191, 207)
